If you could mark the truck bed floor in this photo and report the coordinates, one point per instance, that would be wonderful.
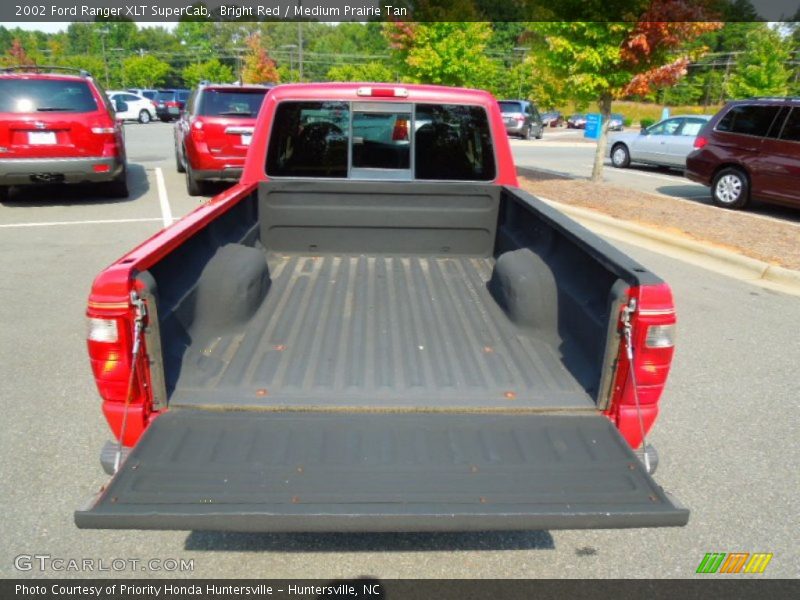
(378, 333)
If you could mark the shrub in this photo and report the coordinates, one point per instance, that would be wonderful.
(646, 122)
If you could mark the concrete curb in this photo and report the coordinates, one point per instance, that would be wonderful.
(704, 255)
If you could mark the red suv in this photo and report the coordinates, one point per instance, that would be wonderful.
(751, 148)
(58, 128)
(214, 133)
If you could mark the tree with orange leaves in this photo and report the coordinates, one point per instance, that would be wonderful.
(258, 66)
(603, 61)
(16, 55)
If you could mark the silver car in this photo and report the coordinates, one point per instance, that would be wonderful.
(667, 143)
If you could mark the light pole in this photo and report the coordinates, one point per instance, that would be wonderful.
(103, 33)
(522, 51)
(291, 48)
(300, 43)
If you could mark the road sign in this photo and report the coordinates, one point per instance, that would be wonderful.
(593, 126)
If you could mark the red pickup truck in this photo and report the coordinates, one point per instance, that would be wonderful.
(377, 330)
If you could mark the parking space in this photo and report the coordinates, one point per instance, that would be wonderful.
(727, 429)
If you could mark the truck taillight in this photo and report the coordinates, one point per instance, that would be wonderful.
(383, 92)
(660, 336)
(653, 339)
(108, 347)
(700, 141)
(102, 330)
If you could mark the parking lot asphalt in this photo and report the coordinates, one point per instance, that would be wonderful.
(564, 151)
(727, 435)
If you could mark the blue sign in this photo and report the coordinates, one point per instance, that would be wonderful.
(593, 126)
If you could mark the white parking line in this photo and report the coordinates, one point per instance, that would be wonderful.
(166, 211)
(92, 222)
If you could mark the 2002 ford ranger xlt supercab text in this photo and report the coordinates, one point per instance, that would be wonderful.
(377, 330)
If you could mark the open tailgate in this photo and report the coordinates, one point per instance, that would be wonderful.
(306, 471)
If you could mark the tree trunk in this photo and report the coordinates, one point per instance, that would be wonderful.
(602, 142)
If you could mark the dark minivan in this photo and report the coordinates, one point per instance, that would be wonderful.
(170, 103)
(750, 148)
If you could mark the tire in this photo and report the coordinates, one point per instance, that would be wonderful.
(144, 117)
(194, 186)
(4, 193)
(541, 133)
(731, 188)
(180, 165)
(620, 157)
(118, 188)
(527, 134)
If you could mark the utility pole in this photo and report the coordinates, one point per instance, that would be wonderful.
(300, 43)
(103, 33)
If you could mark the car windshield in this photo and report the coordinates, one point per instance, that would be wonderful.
(45, 95)
(510, 107)
(616, 117)
(232, 103)
(165, 96)
(576, 117)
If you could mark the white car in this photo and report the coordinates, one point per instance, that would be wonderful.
(132, 107)
(667, 143)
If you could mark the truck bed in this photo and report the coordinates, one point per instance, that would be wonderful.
(378, 332)
(383, 297)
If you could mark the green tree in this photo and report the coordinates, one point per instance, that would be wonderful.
(602, 61)
(144, 71)
(211, 70)
(369, 72)
(447, 53)
(761, 69)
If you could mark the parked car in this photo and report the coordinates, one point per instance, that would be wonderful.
(750, 149)
(340, 344)
(170, 103)
(136, 107)
(522, 119)
(553, 118)
(214, 132)
(666, 143)
(616, 122)
(148, 93)
(577, 121)
(57, 126)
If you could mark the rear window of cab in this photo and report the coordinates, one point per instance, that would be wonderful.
(381, 140)
(45, 95)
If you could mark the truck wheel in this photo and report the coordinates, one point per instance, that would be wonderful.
(144, 117)
(179, 161)
(118, 188)
(3, 193)
(620, 157)
(193, 186)
(541, 132)
(730, 189)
